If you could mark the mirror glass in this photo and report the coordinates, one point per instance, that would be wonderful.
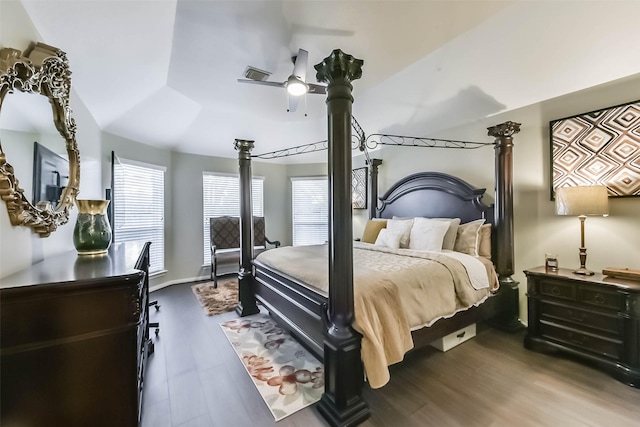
(39, 158)
(26, 119)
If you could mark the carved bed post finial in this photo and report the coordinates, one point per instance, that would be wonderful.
(503, 134)
(373, 186)
(341, 403)
(247, 299)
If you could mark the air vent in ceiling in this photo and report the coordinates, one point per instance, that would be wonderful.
(256, 74)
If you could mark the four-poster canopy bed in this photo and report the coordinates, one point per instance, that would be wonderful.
(324, 321)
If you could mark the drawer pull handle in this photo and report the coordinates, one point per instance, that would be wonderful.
(578, 317)
(599, 299)
(581, 340)
(555, 291)
(461, 334)
(136, 310)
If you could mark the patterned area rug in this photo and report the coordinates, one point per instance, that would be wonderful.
(287, 376)
(220, 300)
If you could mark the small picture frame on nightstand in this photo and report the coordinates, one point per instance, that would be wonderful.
(551, 262)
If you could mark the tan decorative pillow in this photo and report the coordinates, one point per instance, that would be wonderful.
(484, 241)
(468, 237)
(372, 229)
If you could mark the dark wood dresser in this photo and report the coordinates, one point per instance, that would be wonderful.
(596, 318)
(74, 337)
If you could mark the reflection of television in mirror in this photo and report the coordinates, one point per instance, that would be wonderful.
(50, 175)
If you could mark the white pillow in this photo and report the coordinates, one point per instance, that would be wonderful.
(388, 239)
(401, 227)
(427, 234)
(451, 234)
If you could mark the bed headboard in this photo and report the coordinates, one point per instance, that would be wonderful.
(434, 195)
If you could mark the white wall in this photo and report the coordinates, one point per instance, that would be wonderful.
(612, 242)
(183, 201)
(298, 170)
(187, 230)
(133, 150)
(187, 227)
(19, 246)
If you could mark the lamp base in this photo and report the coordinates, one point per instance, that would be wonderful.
(583, 271)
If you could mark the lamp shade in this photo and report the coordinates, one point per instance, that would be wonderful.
(582, 200)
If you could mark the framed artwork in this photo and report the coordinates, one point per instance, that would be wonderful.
(359, 188)
(50, 175)
(598, 148)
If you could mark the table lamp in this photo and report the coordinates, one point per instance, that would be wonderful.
(582, 201)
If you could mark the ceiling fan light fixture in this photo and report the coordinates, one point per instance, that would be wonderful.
(295, 87)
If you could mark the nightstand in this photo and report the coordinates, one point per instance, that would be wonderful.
(596, 318)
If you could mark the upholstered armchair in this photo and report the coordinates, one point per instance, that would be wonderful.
(225, 241)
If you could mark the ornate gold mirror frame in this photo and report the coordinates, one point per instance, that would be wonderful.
(42, 70)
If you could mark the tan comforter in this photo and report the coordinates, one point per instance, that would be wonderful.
(395, 291)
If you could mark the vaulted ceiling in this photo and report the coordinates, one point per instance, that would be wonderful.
(164, 72)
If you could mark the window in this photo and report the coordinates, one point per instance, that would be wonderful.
(310, 201)
(221, 196)
(138, 207)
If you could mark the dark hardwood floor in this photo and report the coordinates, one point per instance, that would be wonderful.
(195, 379)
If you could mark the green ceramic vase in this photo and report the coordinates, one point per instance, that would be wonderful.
(92, 233)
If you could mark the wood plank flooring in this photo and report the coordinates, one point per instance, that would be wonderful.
(195, 379)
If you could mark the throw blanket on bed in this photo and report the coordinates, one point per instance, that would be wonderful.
(395, 291)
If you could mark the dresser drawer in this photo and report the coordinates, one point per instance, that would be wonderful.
(557, 289)
(607, 323)
(596, 318)
(609, 348)
(597, 297)
(142, 341)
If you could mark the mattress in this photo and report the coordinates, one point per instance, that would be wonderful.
(395, 291)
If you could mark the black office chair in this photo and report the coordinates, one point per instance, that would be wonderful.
(143, 264)
(155, 324)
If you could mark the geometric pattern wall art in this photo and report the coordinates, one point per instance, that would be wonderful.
(359, 188)
(598, 148)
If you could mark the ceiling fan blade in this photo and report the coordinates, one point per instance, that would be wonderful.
(293, 103)
(319, 89)
(300, 66)
(263, 83)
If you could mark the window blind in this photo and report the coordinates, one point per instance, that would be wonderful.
(310, 202)
(221, 197)
(138, 207)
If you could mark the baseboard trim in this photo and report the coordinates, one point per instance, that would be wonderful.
(207, 277)
(159, 286)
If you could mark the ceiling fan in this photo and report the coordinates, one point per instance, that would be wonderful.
(296, 84)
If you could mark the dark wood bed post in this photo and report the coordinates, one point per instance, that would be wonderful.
(373, 186)
(503, 134)
(342, 403)
(247, 299)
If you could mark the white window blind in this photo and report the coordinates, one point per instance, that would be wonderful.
(310, 201)
(221, 197)
(138, 207)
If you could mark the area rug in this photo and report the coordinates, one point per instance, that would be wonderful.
(220, 300)
(287, 376)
